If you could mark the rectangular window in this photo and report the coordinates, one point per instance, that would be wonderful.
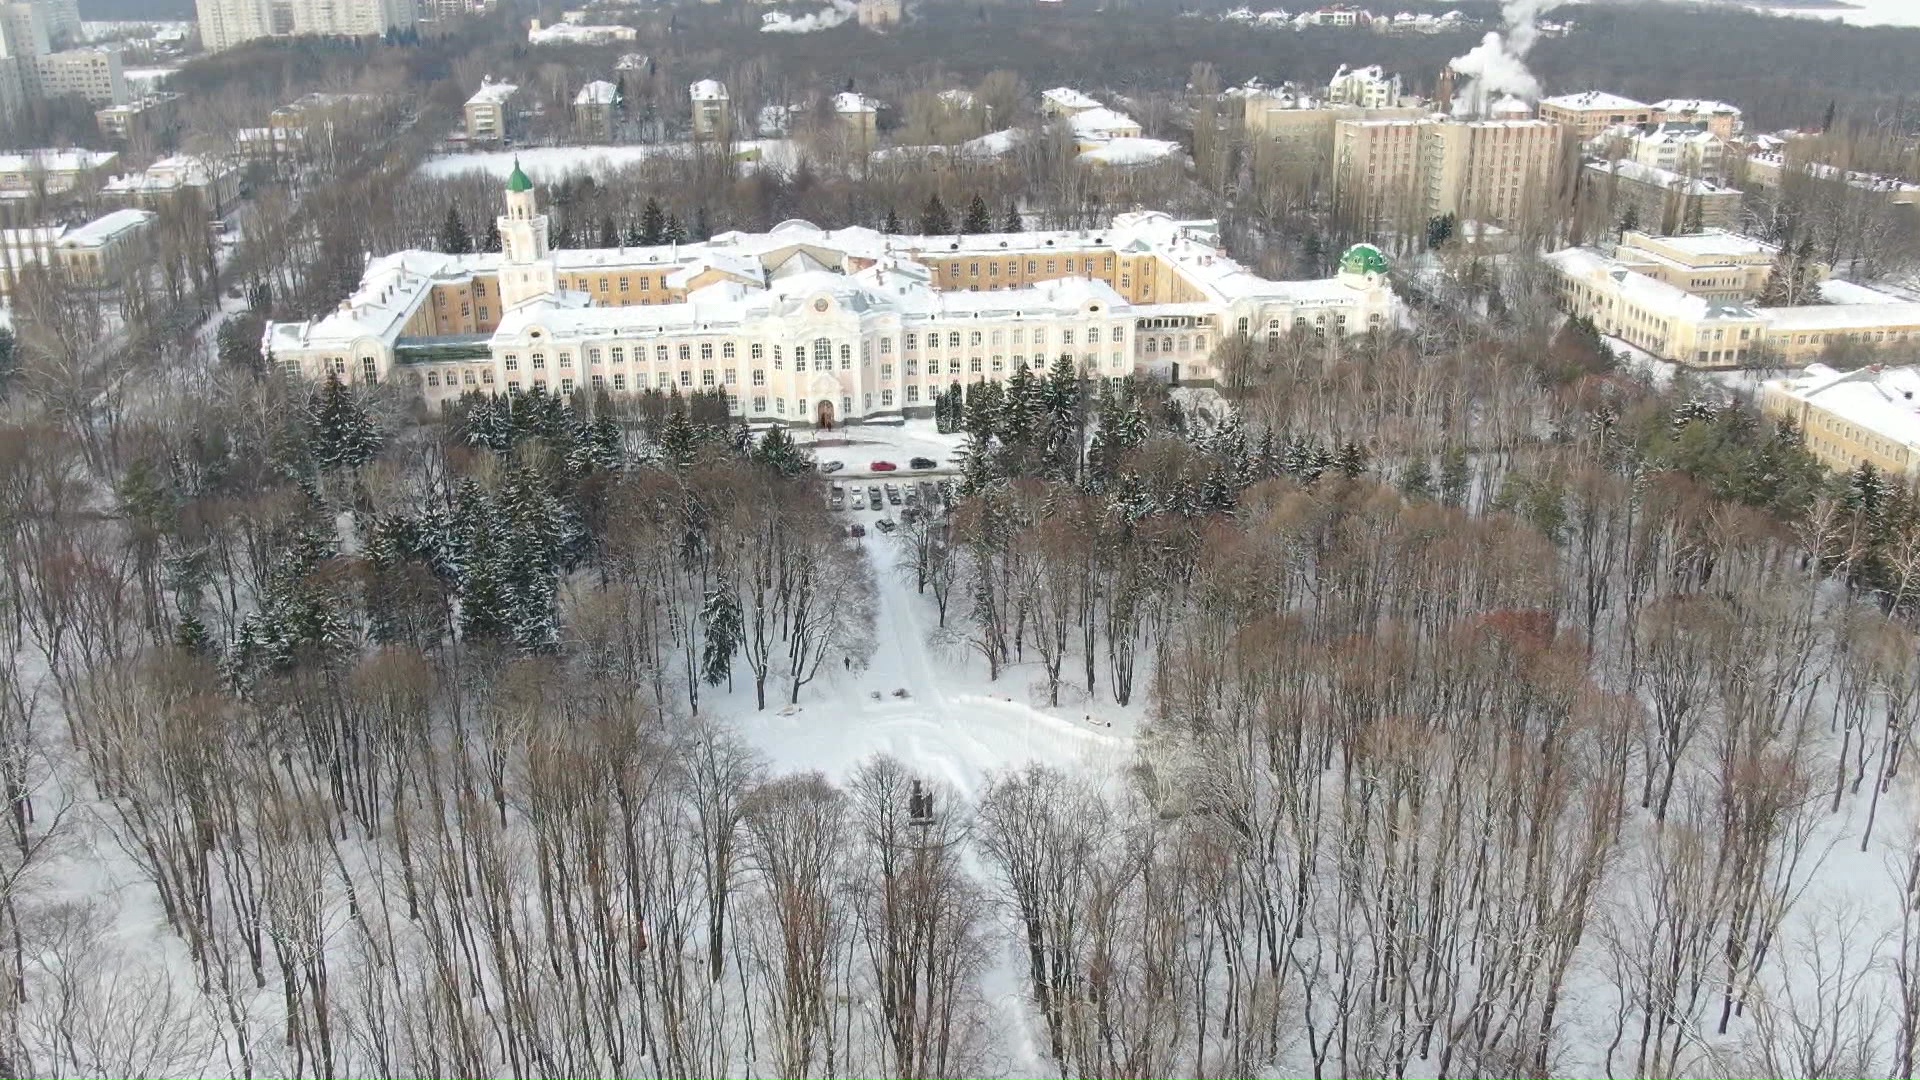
(619, 380)
(686, 352)
(953, 340)
(646, 284)
(732, 377)
(686, 377)
(780, 406)
(593, 357)
(566, 360)
(566, 386)
(759, 377)
(757, 351)
(539, 361)
(1093, 335)
(726, 351)
(660, 354)
(623, 283)
(912, 343)
(886, 399)
(886, 346)
(913, 395)
(1066, 337)
(706, 351)
(973, 366)
(486, 377)
(953, 366)
(760, 404)
(706, 378)
(513, 363)
(973, 338)
(662, 380)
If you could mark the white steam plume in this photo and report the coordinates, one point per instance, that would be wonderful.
(1498, 64)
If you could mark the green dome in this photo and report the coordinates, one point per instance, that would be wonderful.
(517, 181)
(1363, 259)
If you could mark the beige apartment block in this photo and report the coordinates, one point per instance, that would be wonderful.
(489, 112)
(1867, 416)
(712, 110)
(1589, 114)
(1480, 170)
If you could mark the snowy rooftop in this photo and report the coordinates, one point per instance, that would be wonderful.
(1658, 177)
(598, 92)
(573, 33)
(1646, 293)
(708, 90)
(1101, 122)
(1885, 401)
(106, 228)
(57, 161)
(1594, 101)
(492, 93)
(1696, 107)
(850, 102)
(1716, 243)
(1841, 317)
(1067, 99)
(167, 174)
(1132, 151)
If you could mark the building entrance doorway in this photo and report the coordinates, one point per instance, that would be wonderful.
(823, 416)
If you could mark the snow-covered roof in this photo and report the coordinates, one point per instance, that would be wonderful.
(492, 93)
(1838, 291)
(1885, 401)
(1131, 151)
(1510, 106)
(57, 161)
(168, 174)
(957, 98)
(993, 144)
(598, 92)
(1067, 99)
(850, 102)
(1695, 107)
(708, 90)
(1717, 243)
(1658, 177)
(106, 228)
(1840, 317)
(1101, 122)
(573, 33)
(1594, 101)
(1647, 293)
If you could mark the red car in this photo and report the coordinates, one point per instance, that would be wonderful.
(883, 466)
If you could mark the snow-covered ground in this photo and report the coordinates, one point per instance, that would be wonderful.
(858, 446)
(1836, 291)
(549, 164)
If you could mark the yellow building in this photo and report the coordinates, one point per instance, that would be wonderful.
(100, 253)
(1850, 418)
(1715, 264)
(1803, 334)
(1589, 114)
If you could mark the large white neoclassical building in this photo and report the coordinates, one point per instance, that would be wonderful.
(807, 325)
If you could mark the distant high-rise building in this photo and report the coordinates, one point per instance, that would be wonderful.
(226, 23)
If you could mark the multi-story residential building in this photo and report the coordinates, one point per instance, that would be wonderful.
(1303, 125)
(1678, 147)
(1660, 200)
(878, 14)
(805, 325)
(1714, 264)
(100, 253)
(1589, 114)
(94, 74)
(1368, 88)
(52, 172)
(1674, 324)
(712, 110)
(1769, 169)
(226, 23)
(212, 180)
(1478, 170)
(489, 112)
(152, 116)
(1716, 116)
(1094, 128)
(593, 110)
(1867, 416)
(858, 117)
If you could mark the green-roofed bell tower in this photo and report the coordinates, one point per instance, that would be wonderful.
(526, 271)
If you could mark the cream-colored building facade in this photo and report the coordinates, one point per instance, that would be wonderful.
(1867, 416)
(712, 110)
(488, 111)
(806, 325)
(1714, 264)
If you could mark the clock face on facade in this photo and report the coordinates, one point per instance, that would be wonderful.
(820, 304)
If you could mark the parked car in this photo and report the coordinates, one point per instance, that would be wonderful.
(832, 466)
(883, 466)
(856, 530)
(912, 494)
(837, 500)
(885, 525)
(923, 463)
(893, 494)
(873, 496)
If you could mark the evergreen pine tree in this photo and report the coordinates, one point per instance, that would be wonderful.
(491, 242)
(1012, 223)
(192, 638)
(983, 409)
(9, 360)
(934, 220)
(609, 232)
(725, 629)
(340, 432)
(1352, 460)
(653, 224)
(454, 238)
(631, 236)
(892, 226)
(978, 218)
(676, 232)
(701, 230)
(1417, 481)
(677, 441)
(1454, 477)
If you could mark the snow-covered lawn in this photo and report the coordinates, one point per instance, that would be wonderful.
(951, 722)
(1836, 291)
(859, 446)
